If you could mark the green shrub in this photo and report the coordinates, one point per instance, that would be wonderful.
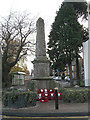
(74, 95)
(32, 97)
(13, 97)
(82, 83)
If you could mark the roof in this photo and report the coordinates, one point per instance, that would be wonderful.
(23, 73)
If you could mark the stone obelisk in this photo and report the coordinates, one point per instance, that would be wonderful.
(41, 62)
(86, 49)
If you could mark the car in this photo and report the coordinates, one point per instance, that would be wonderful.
(57, 78)
(54, 77)
(67, 78)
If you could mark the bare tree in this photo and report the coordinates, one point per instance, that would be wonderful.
(15, 35)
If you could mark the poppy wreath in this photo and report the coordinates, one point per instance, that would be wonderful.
(45, 94)
(59, 96)
(43, 101)
(40, 96)
(51, 91)
(46, 91)
(40, 91)
(44, 98)
(51, 96)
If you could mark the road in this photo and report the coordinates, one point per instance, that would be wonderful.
(47, 116)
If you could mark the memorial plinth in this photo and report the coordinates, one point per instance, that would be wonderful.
(41, 62)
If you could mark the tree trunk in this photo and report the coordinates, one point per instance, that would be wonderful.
(5, 75)
(70, 71)
(77, 70)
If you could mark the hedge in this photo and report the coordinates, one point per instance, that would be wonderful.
(75, 95)
(19, 99)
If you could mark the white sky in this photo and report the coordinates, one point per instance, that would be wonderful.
(39, 8)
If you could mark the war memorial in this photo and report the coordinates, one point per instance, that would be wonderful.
(41, 62)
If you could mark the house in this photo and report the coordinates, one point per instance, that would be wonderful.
(74, 68)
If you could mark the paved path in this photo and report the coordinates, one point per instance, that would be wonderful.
(49, 107)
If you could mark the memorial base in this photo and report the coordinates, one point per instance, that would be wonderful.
(41, 83)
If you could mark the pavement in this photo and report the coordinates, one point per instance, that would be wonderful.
(49, 107)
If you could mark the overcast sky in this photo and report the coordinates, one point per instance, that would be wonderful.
(39, 8)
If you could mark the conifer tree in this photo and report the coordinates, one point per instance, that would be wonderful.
(65, 39)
